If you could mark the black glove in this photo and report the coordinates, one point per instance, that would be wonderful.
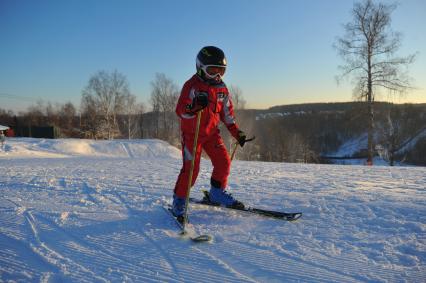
(200, 101)
(241, 138)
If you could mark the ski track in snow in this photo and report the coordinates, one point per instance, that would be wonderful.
(99, 219)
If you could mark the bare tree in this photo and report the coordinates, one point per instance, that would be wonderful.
(67, 114)
(34, 114)
(132, 112)
(139, 119)
(129, 110)
(164, 96)
(106, 92)
(391, 133)
(237, 97)
(368, 49)
(90, 123)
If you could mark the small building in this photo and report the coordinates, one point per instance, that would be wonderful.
(47, 132)
(7, 131)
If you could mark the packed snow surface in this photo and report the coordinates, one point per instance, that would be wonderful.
(92, 211)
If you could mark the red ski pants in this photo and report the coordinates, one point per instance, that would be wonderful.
(215, 149)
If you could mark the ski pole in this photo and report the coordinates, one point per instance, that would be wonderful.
(194, 153)
(234, 150)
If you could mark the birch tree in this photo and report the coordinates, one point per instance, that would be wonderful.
(368, 49)
(106, 93)
(132, 112)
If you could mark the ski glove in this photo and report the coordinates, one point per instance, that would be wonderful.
(241, 138)
(200, 101)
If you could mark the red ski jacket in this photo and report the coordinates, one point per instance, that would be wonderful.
(218, 109)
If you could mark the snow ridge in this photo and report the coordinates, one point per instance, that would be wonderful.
(57, 148)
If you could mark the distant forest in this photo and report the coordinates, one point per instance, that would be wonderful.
(313, 133)
(308, 133)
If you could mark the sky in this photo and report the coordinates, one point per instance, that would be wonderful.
(278, 51)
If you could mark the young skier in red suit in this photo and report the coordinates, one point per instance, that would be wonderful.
(207, 92)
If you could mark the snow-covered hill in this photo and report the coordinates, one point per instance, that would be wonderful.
(97, 216)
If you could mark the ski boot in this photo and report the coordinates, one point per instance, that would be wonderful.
(178, 208)
(221, 197)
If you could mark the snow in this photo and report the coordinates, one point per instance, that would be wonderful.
(351, 146)
(411, 143)
(92, 211)
(49, 148)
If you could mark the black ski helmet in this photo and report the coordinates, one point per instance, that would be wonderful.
(210, 56)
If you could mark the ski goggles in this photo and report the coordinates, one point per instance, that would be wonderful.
(212, 71)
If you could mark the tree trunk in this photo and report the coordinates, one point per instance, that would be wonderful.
(370, 101)
(370, 131)
(128, 125)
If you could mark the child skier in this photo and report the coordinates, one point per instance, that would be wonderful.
(206, 92)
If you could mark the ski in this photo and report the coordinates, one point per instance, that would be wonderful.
(288, 216)
(190, 234)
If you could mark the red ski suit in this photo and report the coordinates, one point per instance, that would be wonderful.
(218, 109)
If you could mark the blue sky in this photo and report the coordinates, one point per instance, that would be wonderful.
(279, 51)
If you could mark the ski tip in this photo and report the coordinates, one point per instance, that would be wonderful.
(202, 238)
(295, 216)
(197, 239)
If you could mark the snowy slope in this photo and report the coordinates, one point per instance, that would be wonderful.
(352, 146)
(86, 211)
(411, 143)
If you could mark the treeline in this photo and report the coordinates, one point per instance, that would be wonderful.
(109, 110)
(308, 133)
(311, 133)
